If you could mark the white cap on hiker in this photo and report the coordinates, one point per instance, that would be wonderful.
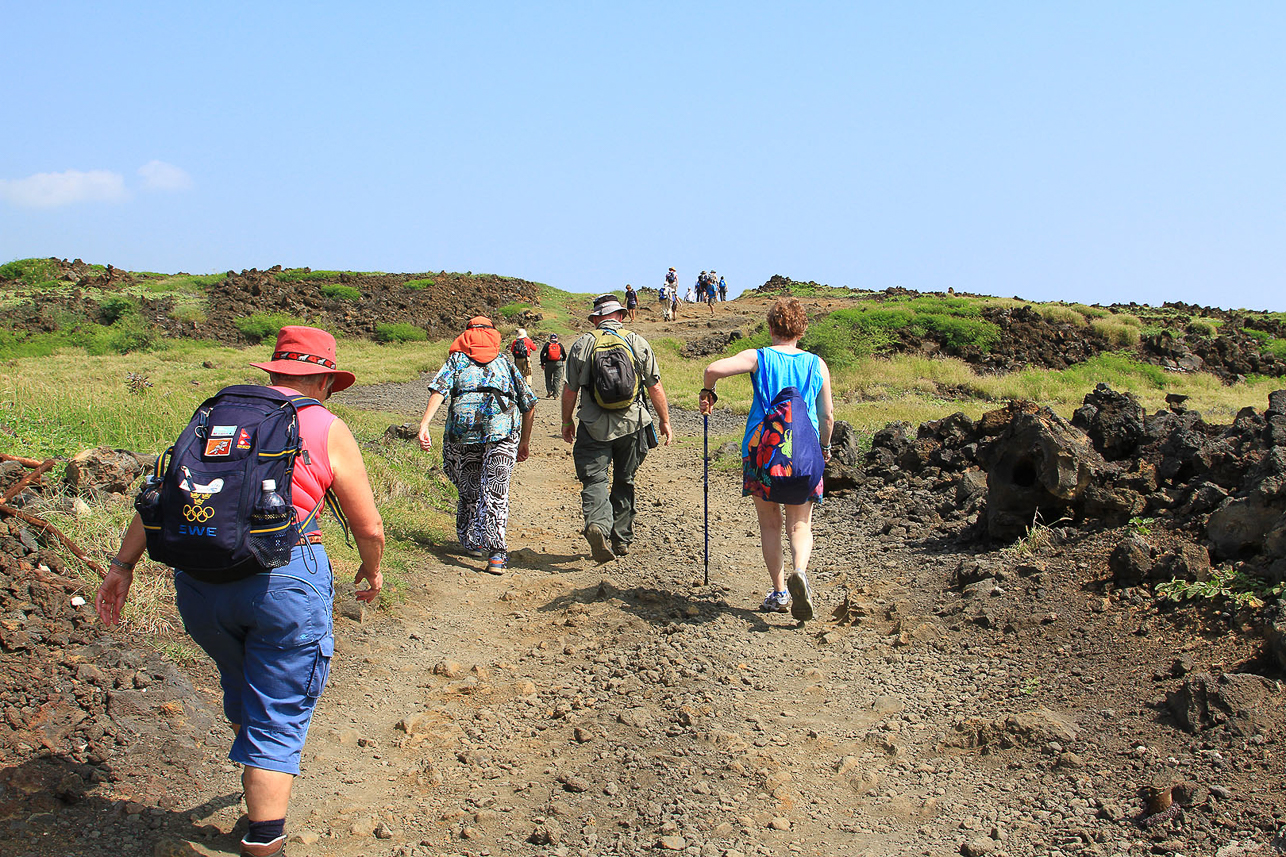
(522, 333)
(606, 305)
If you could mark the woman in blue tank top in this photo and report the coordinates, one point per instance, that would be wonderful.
(783, 364)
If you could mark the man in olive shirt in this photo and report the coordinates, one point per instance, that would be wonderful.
(612, 439)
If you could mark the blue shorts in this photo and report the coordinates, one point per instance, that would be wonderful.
(271, 636)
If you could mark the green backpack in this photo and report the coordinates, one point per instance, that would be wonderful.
(616, 381)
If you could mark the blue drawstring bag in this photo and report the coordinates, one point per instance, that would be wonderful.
(785, 452)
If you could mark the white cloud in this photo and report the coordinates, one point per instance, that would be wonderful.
(158, 175)
(51, 190)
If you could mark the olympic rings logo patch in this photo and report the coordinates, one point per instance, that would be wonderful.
(198, 514)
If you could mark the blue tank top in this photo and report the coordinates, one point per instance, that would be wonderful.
(777, 370)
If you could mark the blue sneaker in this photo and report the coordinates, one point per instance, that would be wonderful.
(775, 602)
(497, 563)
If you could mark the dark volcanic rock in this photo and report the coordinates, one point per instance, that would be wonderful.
(1040, 465)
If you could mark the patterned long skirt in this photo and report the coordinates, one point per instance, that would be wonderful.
(481, 473)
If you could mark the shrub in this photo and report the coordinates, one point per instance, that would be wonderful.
(1125, 318)
(1059, 314)
(1117, 334)
(191, 313)
(400, 332)
(341, 292)
(1276, 347)
(114, 307)
(419, 284)
(29, 271)
(1203, 326)
(1263, 337)
(262, 325)
(1089, 311)
(511, 310)
(296, 275)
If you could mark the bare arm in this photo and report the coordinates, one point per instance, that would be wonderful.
(568, 403)
(741, 363)
(353, 489)
(657, 394)
(524, 440)
(825, 411)
(435, 402)
(110, 600)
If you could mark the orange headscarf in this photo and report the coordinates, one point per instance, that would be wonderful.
(480, 340)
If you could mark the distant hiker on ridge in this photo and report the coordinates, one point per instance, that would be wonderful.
(631, 302)
(611, 368)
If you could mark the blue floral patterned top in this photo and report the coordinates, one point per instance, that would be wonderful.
(485, 400)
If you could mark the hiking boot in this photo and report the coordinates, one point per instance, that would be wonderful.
(775, 602)
(801, 596)
(497, 563)
(275, 848)
(620, 548)
(599, 548)
(477, 553)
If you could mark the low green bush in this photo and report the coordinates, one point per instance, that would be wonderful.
(341, 292)
(260, 326)
(114, 307)
(1276, 347)
(1118, 334)
(419, 284)
(400, 332)
(297, 275)
(29, 271)
(1058, 314)
(1263, 337)
(511, 310)
(1203, 326)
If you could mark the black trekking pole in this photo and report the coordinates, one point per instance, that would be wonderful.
(705, 419)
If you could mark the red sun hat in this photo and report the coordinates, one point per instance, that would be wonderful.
(306, 351)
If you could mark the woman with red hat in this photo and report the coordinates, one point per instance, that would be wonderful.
(488, 431)
(271, 634)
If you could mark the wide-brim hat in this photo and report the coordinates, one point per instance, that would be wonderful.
(306, 351)
(606, 305)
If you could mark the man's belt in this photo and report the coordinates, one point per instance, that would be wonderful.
(311, 539)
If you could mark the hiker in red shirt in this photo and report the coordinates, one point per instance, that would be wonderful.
(552, 358)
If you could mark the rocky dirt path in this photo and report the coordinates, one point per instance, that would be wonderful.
(945, 700)
(572, 708)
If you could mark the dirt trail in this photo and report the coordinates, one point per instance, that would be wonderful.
(569, 708)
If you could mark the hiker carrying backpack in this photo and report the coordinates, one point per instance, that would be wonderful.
(219, 503)
(614, 370)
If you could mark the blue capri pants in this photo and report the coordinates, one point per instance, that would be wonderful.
(271, 636)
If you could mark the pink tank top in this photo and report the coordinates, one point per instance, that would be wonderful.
(312, 474)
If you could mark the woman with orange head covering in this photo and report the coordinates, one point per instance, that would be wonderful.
(488, 431)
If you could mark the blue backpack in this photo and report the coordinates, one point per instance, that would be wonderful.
(203, 510)
(785, 452)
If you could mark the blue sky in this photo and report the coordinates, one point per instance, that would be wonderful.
(1092, 152)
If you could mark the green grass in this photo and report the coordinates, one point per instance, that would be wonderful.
(1058, 314)
(1118, 334)
(261, 326)
(513, 309)
(29, 271)
(187, 283)
(1204, 326)
(419, 284)
(299, 275)
(400, 332)
(341, 292)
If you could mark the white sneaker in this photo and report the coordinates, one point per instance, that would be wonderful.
(801, 596)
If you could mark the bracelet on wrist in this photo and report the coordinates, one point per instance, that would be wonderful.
(125, 566)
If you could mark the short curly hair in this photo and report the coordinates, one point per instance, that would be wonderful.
(787, 319)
